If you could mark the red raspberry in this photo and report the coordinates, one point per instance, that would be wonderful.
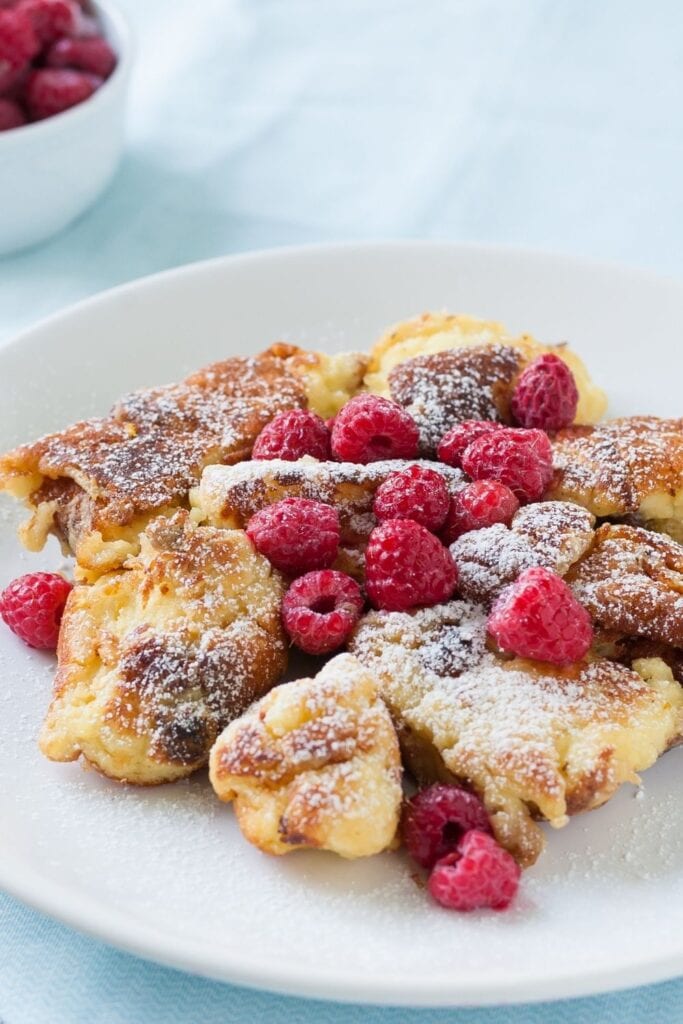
(296, 535)
(330, 423)
(370, 428)
(49, 91)
(11, 115)
(406, 565)
(12, 80)
(415, 493)
(94, 55)
(291, 435)
(482, 503)
(479, 873)
(320, 609)
(546, 395)
(453, 444)
(521, 459)
(436, 818)
(32, 606)
(538, 617)
(52, 18)
(18, 40)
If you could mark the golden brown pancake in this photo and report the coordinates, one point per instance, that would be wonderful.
(434, 333)
(552, 534)
(532, 740)
(445, 388)
(314, 764)
(156, 659)
(97, 483)
(229, 496)
(631, 466)
(631, 582)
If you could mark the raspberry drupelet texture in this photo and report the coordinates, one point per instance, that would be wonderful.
(407, 566)
(11, 115)
(50, 91)
(460, 437)
(370, 428)
(32, 607)
(478, 874)
(520, 459)
(19, 42)
(320, 610)
(93, 55)
(436, 818)
(292, 435)
(545, 395)
(52, 18)
(417, 493)
(296, 535)
(482, 503)
(539, 617)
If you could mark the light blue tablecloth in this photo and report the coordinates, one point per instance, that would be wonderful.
(554, 123)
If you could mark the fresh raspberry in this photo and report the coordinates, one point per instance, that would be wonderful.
(453, 444)
(291, 435)
(538, 617)
(32, 606)
(49, 91)
(11, 115)
(320, 609)
(415, 493)
(406, 565)
(12, 80)
(94, 55)
(436, 818)
(370, 428)
(521, 459)
(329, 423)
(479, 873)
(482, 503)
(52, 18)
(545, 395)
(296, 535)
(18, 40)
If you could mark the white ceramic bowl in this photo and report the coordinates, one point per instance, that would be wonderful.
(53, 170)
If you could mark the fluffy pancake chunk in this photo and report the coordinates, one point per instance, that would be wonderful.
(329, 379)
(155, 660)
(552, 534)
(631, 581)
(531, 740)
(434, 333)
(315, 763)
(229, 496)
(631, 466)
(97, 484)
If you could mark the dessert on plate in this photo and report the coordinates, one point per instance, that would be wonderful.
(486, 565)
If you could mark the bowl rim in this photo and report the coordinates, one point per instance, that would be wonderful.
(124, 52)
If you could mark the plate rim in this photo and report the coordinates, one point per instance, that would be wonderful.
(91, 917)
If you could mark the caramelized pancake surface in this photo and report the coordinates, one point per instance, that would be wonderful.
(445, 388)
(229, 496)
(552, 534)
(156, 659)
(631, 582)
(631, 466)
(97, 483)
(532, 740)
(315, 763)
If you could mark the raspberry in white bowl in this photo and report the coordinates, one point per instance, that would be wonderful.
(64, 69)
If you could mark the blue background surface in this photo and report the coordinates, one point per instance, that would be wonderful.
(253, 123)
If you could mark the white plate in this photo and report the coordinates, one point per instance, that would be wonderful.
(163, 872)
